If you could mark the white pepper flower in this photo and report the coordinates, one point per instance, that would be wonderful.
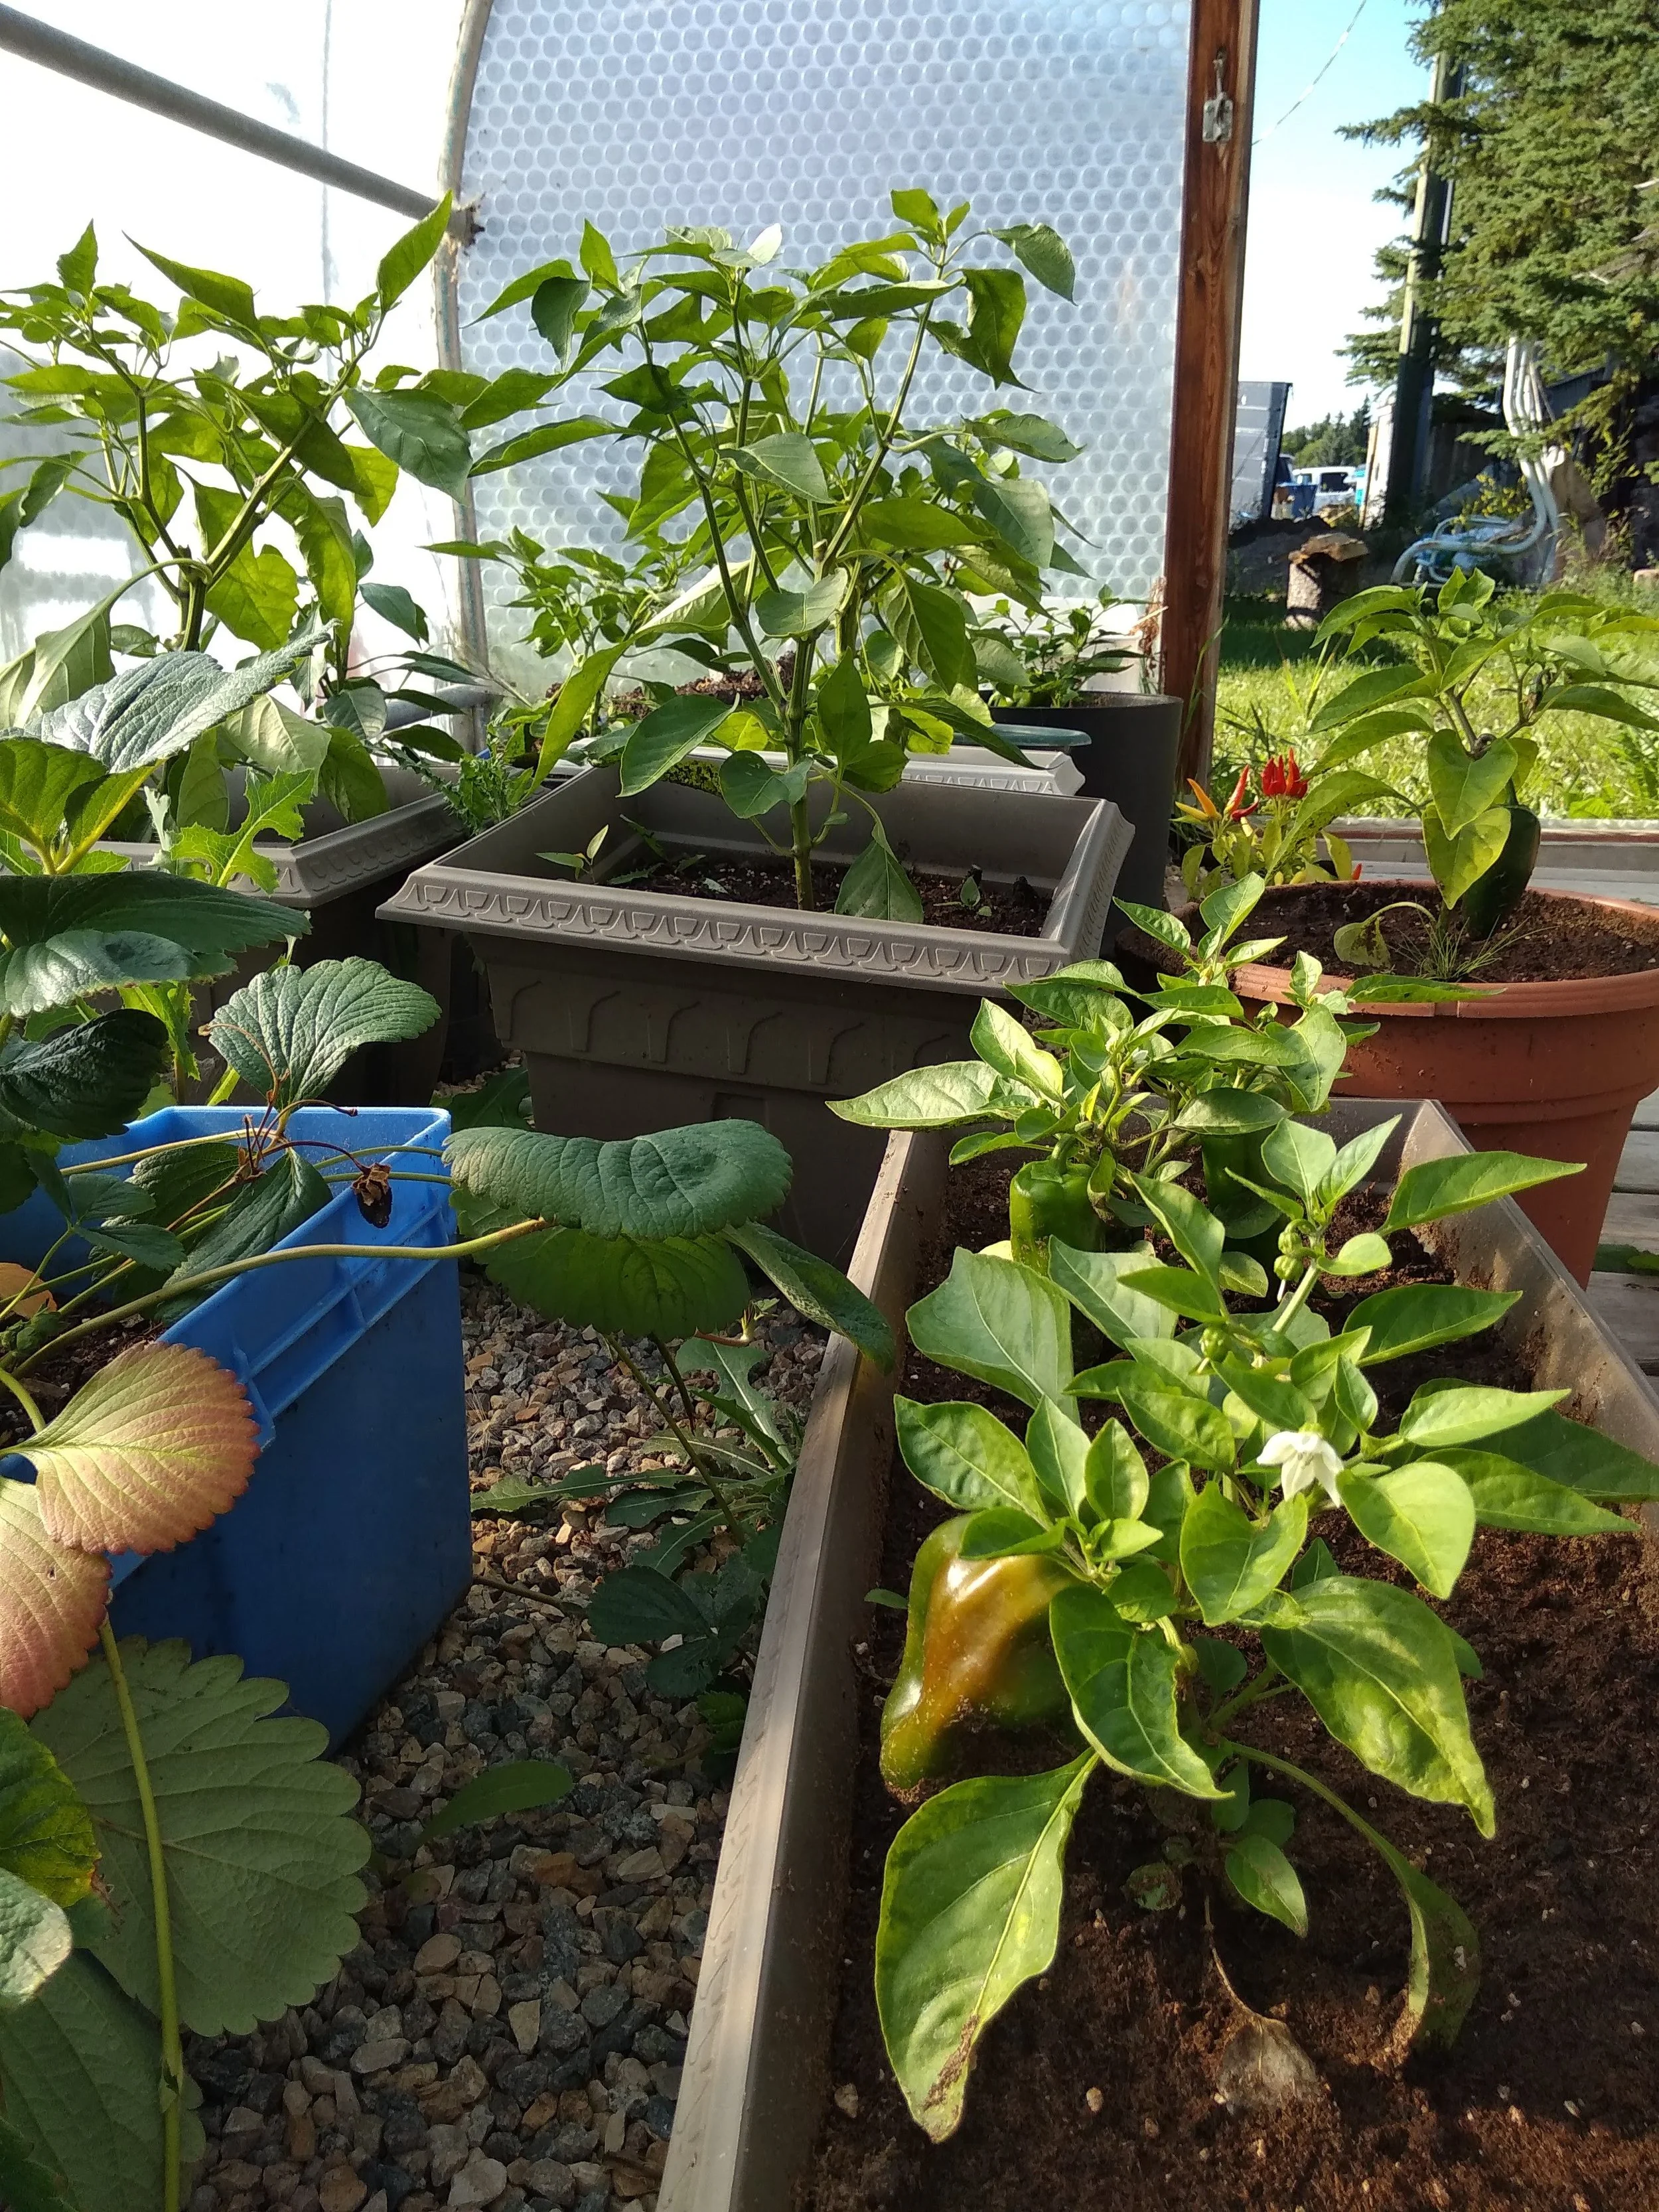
(1305, 1459)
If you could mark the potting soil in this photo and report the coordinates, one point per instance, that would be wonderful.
(1096, 2087)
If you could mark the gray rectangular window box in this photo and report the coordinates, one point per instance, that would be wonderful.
(757, 2068)
(1596, 857)
(638, 1009)
(338, 876)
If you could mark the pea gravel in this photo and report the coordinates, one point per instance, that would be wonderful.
(510, 2030)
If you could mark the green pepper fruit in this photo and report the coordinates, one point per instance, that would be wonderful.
(976, 1652)
(1492, 898)
(1046, 1201)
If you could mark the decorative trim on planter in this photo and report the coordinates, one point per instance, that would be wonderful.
(497, 902)
(751, 2097)
(319, 869)
(772, 1950)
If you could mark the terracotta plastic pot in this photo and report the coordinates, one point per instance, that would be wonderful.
(1554, 1069)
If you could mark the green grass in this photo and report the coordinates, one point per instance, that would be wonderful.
(1272, 678)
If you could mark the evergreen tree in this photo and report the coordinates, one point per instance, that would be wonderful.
(1549, 145)
(1335, 442)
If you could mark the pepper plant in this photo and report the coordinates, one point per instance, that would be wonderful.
(1084, 1583)
(202, 452)
(1275, 831)
(121, 1926)
(765, 409)
(1120, 1085)
(237, 446)
(1045, 657)
(1473, 675)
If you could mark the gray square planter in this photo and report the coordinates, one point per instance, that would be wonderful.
(638, 1009)
(338, 876)
(757, 2068)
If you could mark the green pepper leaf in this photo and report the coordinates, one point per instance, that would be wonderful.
(1510, 1495)
(1581, 1458)
(1008, 1047)
(1122, 1681)
(1114, 1475)
(1381, 1671)
(1059, 1451)
(999, 1322)
(1265, 1878)
(1000, 1533)
(1173, 1421)
(1193, 1230)
(1192, 1295)
(928, 1098)
(1421, 1515)
(1096, 1284)
(1463, 1414)
(1435, 1189)
(1414, 1316)
(1231, 1562)
(969, 1911)
(965, 1455)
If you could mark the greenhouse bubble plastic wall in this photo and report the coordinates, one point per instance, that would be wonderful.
(806, 113)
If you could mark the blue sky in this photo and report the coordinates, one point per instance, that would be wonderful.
(1313, 226)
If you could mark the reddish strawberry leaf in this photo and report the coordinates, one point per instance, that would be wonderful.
(145, 1454)
(51, 1603)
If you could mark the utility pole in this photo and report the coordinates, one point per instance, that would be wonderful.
(1414, 388)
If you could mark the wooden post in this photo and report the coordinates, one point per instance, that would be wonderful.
(1220, 104)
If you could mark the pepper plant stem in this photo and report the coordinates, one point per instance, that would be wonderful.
(1248, 1751)
(172, 2057)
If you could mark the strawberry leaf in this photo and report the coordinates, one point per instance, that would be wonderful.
(51, 1603)
(145, 1454)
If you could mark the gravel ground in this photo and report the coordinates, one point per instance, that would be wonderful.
(509, 2032)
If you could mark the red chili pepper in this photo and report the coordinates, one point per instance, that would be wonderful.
(1236, 809)
(1282, 779)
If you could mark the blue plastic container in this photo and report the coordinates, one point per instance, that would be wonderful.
(352, 1539)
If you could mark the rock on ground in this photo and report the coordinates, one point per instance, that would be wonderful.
(509, 2032)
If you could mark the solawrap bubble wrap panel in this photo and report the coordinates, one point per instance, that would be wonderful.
(807, 112)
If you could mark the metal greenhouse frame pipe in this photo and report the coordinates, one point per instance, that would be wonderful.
(73, 57)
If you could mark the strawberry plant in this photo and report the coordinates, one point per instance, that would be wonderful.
(173, 1856)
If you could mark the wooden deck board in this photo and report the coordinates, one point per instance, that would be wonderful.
(1629, 1306)
(1638, 1166)
(1632, 1218)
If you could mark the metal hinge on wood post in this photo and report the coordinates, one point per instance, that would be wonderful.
(1217, 111)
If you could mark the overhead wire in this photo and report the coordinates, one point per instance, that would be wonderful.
(1313, 83)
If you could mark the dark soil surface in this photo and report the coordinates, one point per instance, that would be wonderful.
(1549, 2102)
(1003, 909)
(64, 1369)
(1549, 940)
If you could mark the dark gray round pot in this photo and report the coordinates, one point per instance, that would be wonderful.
(1134, 738)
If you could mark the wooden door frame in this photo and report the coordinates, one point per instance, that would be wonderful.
(1214, 203)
